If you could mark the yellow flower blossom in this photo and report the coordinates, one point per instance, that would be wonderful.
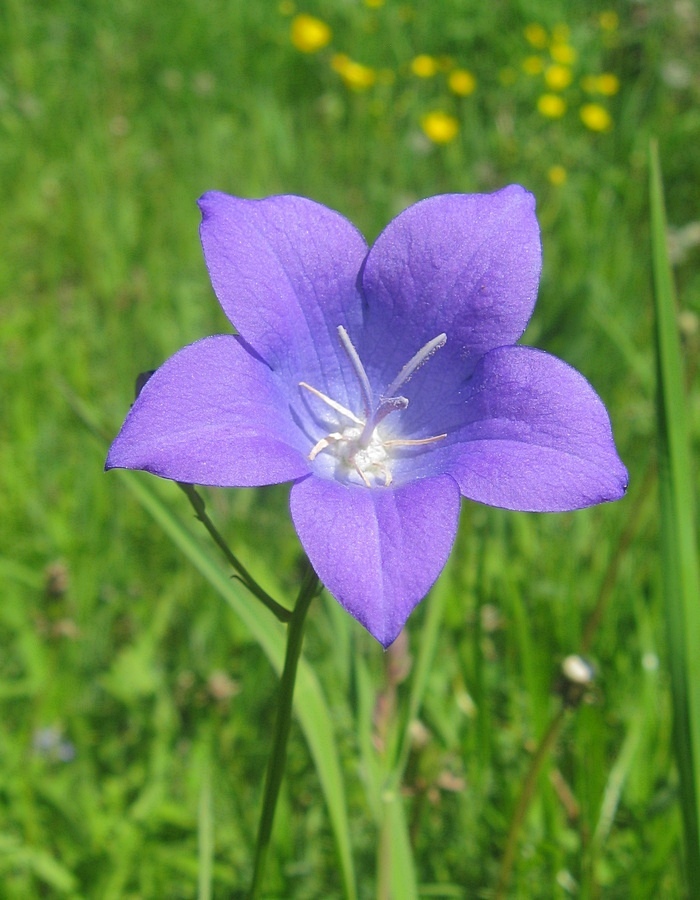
(607, 84)
(533, 65)
(551, 106)
(461, 82)
(563, 53)
(557, 77)
(309, 34)
(374, 4)
(536, 35)
(424, 66)
(595, 117)
(354, 74)
(609, 20)
(440, 127)
(557, 175)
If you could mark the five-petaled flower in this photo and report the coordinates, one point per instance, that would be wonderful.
(385, 383)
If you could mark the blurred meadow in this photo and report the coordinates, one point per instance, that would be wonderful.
(136, 684)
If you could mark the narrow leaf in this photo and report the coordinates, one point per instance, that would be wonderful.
(679, 562)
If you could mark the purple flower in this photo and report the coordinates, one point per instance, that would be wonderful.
(385, 383)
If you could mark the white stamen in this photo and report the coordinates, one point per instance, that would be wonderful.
(415, 363)
(413, 442)
(323, 443)
(358, 446)
(333, 404)
(356, 362)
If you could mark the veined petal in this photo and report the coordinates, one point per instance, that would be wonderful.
(285, 272)
(467, 265)
(536, 437)
(212, 414)
(378, 551)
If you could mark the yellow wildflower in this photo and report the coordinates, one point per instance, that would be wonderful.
(354, 74)
(536, 35)
(551, 106)
(440, 127)
(557, 175)
(595, 117)
(374, 4)
(309, 34)
(607, 84)
(533, 65)
(609, 20)
(424, 66)
(557, 77)
(563, 53)
(461, 82)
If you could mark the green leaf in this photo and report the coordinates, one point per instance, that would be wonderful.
(205, 821)
(397, 875)
(679, 561)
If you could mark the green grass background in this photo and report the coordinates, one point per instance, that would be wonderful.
(135, 707)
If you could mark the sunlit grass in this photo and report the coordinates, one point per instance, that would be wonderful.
(135, 706)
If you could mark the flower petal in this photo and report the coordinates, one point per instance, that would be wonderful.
(464, 264)
(378, 551)
(212, 414)
(537, 437)
(285, 272)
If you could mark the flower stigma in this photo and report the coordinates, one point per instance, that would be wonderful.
(358, 445)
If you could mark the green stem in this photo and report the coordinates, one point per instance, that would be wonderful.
(551, 735)
(281, 612)
(538, 760)
(278, 754)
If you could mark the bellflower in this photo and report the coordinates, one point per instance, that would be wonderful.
(384, 383)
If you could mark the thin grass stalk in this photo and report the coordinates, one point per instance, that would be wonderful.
(558, 720)
(205, 833)
(679, 561)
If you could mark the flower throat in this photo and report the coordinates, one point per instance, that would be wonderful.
(357, 445)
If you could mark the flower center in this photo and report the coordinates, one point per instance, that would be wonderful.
(360, 444)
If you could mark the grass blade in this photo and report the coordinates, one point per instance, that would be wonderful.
(205, 832)
(679, 562)
(397, 875)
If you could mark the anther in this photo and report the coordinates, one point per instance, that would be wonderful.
(356, 363)
(332, 403)
(415, 363)
(358, 445)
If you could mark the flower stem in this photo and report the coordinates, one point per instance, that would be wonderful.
(558, 721)
(278, 754)
(281, 612)
(545, 745)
